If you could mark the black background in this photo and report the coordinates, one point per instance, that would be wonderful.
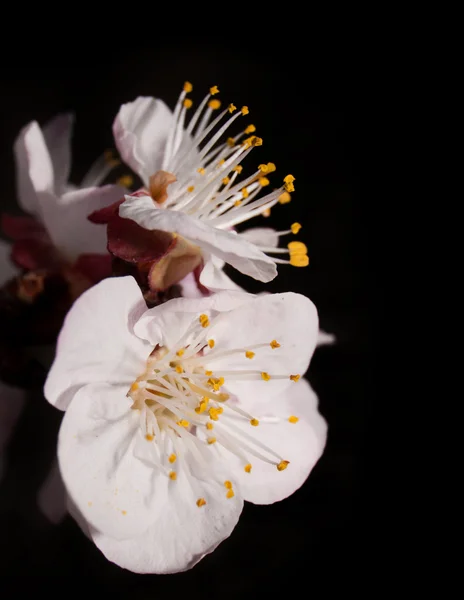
(307, 106)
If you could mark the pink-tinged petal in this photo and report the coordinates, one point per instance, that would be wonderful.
(12, 402)
(238, 252)
(116, 492)
(97, 343)
(57, 133)
(166, 323)
(51, 498)
(65, 219)
(34, 168)
(133, 243)
(94, 267)
(182, 534)
(140, 131)
(261, 236)
(301, 443)
(22, 227)
(189, 287)
(7, 268)
(325, 339)
(214, 278)
(290, 319)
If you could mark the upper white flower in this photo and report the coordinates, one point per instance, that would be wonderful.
(43, 161)
(176, 414)
(194, 177)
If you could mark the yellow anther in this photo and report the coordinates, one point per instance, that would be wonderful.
(214, 413)
(202, 406)
(288, 183)
(295, 377)
(126, 181)
(266, 212)
(250, 129)
(295, 228)
(245, 192)
(282, 465)
(297, 248)
(231, 107)
(293, 419)
(172, 458)
(124, 512)
(221, 162)
(274, 344)
(254, 422)
(284, 198)
(188, 87)
(263, 181)
(214, 90)
(110, 159)
(134, 387)
(247, 468)
(188, 103)
(267, 168)
(211, 440)
(149, 437)
(238, 169)
(237, 203)
(180, 352)
(211, 343)
(230, 142)
(299, 260)
(183, 423)
(204, 320)
(209, 425)
(245, 110)
(173, 475)
(190, 188)
(201, 502)
(179, 369)
(230, 494)
(214, 104)
(226, 180)
(265, 376)
(249, 354)
(201, 170)
(228, 484)
(209, 373)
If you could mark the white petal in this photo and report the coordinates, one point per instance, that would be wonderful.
(233, 249)
(34, 169)
(300, 443)
(57, 134)
(290, 319)
(65, 219)
(97, 343)
(215, 279)
(7, 269)
(116, 493)
(183, 532)
(261, 236)
(52, 496)
(140, 131)
(324, 338)
(12, 402)
(166, 323)
(189, 287)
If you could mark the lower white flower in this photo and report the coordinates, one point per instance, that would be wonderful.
(194, 176)
(176, 414)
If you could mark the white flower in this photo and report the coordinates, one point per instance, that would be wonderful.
(176, 414)
(195, 178)
(43, 161)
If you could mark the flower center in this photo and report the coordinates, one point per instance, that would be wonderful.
(186, 412)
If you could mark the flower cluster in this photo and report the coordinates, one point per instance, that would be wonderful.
(183, 395)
